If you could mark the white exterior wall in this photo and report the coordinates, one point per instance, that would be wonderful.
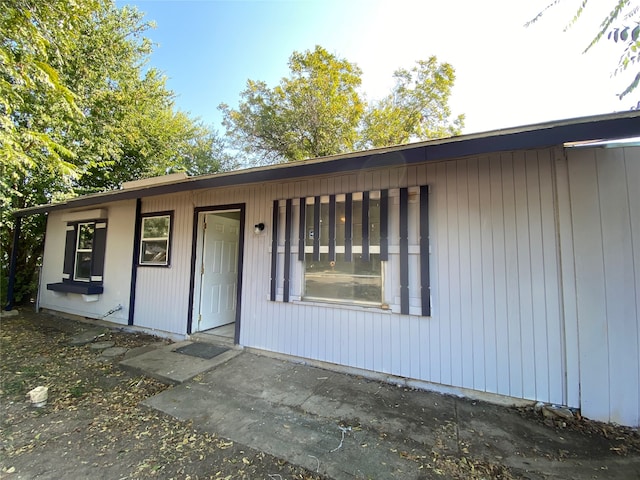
(535, 261)
(117, 266)
(602, 285)
(496, 323)
(162, 293)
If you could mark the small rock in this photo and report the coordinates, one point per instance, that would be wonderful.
(552, 411)
(114, 352)
(538, 406)
(9, 313)
(38, 396)
(84, 338)
(101, 345)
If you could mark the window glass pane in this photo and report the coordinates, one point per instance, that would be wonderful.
(155, 227)
(343, 281)
(154, 251)
(324, 224)
(83, 266)
(85, 236)
(340, 223)
(309, 226)
(374, 222)
(356, 220)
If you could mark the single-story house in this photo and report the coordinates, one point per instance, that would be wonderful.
(504, 263)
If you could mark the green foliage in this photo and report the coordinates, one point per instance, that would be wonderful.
(313, 113)
(318, 110)
(625, 35)
(79, 112)
(416, 109)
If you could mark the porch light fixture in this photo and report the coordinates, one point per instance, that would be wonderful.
(258, 228)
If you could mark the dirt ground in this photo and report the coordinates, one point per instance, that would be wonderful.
(93, 425)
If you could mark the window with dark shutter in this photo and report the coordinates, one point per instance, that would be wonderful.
(84, 255)
(343, 246)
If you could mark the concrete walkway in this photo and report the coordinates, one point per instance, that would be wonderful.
(345, 426)
(169, 366)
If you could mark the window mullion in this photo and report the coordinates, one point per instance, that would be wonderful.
(348, 227)
(365, 226)
(332, 228)
(404, 251)
(316, 228)
(302, 229)
(384, 226)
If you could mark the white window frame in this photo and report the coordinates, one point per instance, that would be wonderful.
(166, 239)
(83, 250)
(374, 250)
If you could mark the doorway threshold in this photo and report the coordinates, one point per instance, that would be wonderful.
(223, 335)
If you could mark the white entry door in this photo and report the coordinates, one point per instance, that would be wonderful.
(219, 270)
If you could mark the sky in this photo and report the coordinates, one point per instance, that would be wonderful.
(506, 74)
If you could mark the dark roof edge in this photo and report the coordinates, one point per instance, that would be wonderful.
(600, 127)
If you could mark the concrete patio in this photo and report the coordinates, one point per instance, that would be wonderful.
(346, 426)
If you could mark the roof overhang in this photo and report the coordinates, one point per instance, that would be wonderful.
(558, 133)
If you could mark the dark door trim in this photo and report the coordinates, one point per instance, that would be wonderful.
(213, 209)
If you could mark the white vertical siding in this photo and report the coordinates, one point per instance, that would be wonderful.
(534, 277)
(496, 314)
(604, 189)
(117, 266)
(496, 323)
(162, 293)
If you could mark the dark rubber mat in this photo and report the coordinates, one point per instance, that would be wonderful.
(201, 350)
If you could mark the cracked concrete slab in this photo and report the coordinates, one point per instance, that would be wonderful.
(300, 413)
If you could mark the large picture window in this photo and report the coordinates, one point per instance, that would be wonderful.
(155, 239)
(342, 249)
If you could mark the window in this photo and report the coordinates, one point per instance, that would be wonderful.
(155, 239)
(84, 252)
(342, 249)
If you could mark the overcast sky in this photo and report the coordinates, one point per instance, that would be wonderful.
(507, 75)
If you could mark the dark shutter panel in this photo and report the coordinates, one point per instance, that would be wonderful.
(287, 251)
(404, 251)
(384, 225)
(274, 250)
(424, 251)
(69, 253)
(97, 256)
(365, 227)
(348, 227)
(332, 228)
(302, 228)
(316, 229)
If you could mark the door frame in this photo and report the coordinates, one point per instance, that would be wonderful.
(197, 235)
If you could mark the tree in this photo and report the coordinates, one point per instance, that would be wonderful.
(416, 109)
(78, 113)
(628, 35)
(314, 112)
(318, 110)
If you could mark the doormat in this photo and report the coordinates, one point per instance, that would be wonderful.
(201, 350)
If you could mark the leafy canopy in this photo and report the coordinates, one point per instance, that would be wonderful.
(417, 108)
(318, 110)
(79, 112)
(313, 113)
(627, 34)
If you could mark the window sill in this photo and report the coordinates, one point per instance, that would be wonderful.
(363, 306)
(76, 287)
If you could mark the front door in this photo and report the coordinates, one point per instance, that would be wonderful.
(219, 270)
